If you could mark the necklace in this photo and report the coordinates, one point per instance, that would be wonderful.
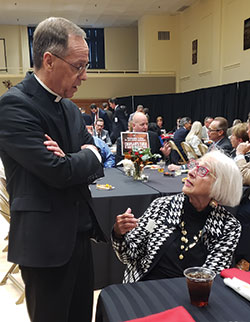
(184, 245)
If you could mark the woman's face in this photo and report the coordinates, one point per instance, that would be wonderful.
(199, 182)
(159, 122)
(235, 141)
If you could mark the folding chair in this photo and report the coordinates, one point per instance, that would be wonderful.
(5, 212)
(203, 148)
(189, 151)
(174, 147)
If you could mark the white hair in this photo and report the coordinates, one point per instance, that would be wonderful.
(228, 187)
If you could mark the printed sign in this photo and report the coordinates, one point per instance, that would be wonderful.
(131, 140)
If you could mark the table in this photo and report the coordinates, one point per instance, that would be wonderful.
(108, 204)
(129, 301)
(163, 184)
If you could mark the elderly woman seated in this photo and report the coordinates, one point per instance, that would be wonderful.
(188, 229)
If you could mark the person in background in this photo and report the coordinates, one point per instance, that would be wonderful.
(97, 113)
(101, 133)
(49, 159)
(207, 121)
(139, 108)
(194, 139)
(217, 133)
(238, 135)
(108, 158)
(192, 228)
(179, 136)
(243, 163)
(177, 125)
(159, 123)
(140, 124)
(87, 118)
(105, 107)
(119, 122)
(230, 129)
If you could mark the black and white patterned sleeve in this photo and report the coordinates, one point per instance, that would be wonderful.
(221, 247)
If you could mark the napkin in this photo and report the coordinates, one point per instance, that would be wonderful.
(238, 280)
(176, 314)
(235, 272)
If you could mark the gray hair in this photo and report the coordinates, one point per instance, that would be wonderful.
(184, 120)
(228, 187)
(52, 35)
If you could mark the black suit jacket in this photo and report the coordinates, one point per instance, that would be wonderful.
(179, 136)
(224, 144)
(119, 124)
(48, 194)
(154, 143)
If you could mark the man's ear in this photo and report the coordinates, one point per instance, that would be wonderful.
(48, 61)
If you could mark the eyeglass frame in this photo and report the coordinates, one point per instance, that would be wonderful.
(80, 69)
(215, 130)
(195, 165)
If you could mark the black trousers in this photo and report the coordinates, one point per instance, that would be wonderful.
(62, 294)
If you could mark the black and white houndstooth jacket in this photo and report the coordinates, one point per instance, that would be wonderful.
(138, 247)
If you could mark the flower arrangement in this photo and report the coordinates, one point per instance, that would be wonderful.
(141, 157)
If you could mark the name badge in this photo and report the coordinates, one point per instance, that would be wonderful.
(116, 119)
(150, 225)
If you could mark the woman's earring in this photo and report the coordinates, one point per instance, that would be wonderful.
(213, 203)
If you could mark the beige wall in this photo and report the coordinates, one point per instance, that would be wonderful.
(16, 40)
(218, 25)
(106, 86)
(158, 56)
(121, 48)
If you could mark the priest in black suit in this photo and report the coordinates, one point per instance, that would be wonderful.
(49, 159)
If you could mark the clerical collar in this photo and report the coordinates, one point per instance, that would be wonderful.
(57, 97)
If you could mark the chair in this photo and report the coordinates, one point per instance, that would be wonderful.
(203, 148)
(174, 147)
(189, 151)
(5, 212)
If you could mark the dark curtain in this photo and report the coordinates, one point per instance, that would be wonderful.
(230, 101)
(244, 100)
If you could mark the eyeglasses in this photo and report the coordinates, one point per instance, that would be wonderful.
(79, 69)
(201, 171)
(211, 130)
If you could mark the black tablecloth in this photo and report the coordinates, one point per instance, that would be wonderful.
(164, 184)
(129, 301)
(108, 204)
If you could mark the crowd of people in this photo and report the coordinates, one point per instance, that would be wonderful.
(51, 153)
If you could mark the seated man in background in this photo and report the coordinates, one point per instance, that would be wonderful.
(217, 133)
(101, 133)
(97, 113)
(140, 124)
(207, 121)
(108, 159)
(179, 136)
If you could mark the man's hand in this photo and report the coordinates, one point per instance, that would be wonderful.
(166, 149)
(125, 223)
(243, 148)
(53, 146)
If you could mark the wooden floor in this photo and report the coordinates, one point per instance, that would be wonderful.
(9, 294)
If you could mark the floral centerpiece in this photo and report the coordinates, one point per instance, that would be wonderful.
(140, 157)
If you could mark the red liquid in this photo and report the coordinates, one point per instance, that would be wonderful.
(199, 292)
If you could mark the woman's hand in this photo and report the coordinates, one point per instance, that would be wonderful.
(125, 223)
(53, 146)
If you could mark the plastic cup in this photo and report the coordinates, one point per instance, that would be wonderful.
(199, 282)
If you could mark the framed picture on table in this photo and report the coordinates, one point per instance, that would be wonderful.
(130, 140)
